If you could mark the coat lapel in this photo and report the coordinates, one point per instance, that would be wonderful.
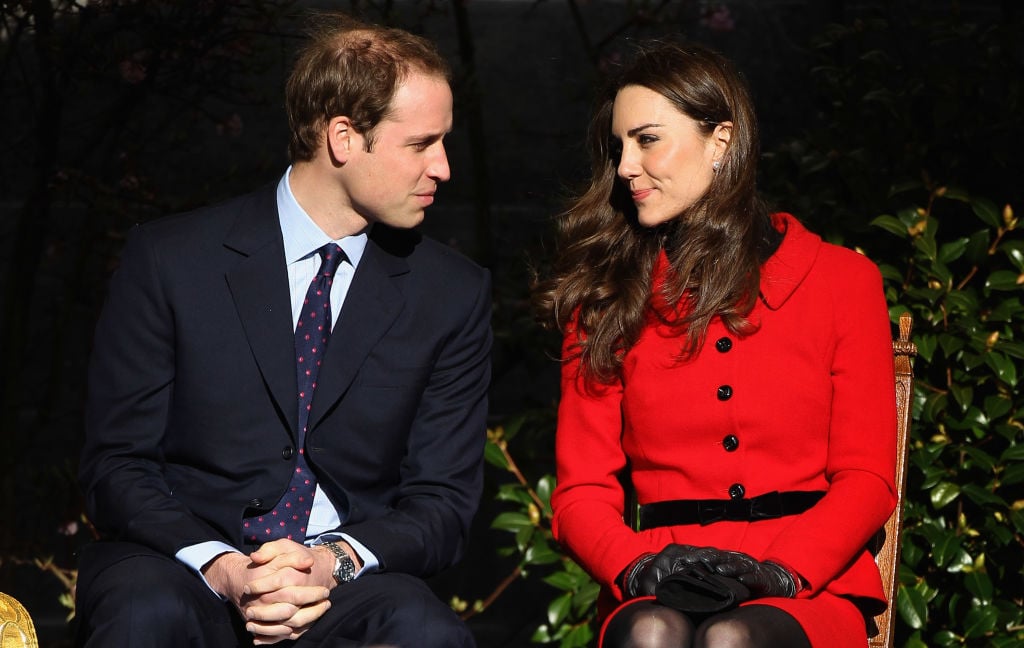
(259, 287)
(371, 306)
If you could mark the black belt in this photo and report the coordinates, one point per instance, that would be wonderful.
(763, 507)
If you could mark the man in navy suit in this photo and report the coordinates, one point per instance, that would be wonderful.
(198, 427)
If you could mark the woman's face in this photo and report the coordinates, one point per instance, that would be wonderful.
(667, 162)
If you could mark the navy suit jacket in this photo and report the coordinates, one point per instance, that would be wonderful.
(191, 417)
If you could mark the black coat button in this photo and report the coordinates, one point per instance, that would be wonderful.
(256, 503)
(730, 443)
(736, 491)
(724, 393)
(287, 452)
(723, 344)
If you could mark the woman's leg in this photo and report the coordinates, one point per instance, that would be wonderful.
(646, 624)
(751, 626)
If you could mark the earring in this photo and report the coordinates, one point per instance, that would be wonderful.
(716, 165)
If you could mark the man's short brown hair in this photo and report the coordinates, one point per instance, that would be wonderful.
(353, 69)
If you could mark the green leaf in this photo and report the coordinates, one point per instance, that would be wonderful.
(944, 550)
(914, 641)
(1013, 453)
(545, 485)
(953, 250)
(980, 458)
(946, 638)
(891, 224)
(578, 637)
(980, 621)
(1003, 280)
(979, 585)
(977, 246)
(1003, 366)
(944, 493)
(987, 212)
(981, 496)
(962, 394)
(541, 554)
(562, 580)
(1015, 251)
(559, 608)
(926, 246)
(541, 635)
(1012, 475)
(912, 606)
(997, 406)
(926, 346)
(494, 456)
(511, 521)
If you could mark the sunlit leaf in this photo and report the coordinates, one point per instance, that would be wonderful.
(559, 608)
(980, 621)
(979, 585)
(912, 606)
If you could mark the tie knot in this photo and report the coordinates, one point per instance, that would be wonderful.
(331, 256)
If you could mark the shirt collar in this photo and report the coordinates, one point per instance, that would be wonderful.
(303, 237)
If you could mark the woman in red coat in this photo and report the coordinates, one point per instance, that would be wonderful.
(735, 366)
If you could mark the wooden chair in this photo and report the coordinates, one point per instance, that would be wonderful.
(886, 545)
(16, 629)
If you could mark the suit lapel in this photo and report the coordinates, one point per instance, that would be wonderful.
(259, 287)
(371, 306)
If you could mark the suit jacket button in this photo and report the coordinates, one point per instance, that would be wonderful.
(256, 503)
(287, 452)
(724, 393)
(730, 443)
(736, 491)
(723, 344)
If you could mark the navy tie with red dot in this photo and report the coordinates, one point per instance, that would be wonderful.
(312, 332)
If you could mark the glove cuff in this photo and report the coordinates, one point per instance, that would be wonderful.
(792, 580)
(627, 579)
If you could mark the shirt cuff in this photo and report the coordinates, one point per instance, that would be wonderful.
(197, 556)
(370, 562)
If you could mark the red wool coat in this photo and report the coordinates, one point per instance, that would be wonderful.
(811, 409)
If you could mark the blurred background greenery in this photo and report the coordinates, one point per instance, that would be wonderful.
(893, 127)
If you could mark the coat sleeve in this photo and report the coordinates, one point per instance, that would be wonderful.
(860, 467)
(427, 526)
(131, 382)
(587, 505)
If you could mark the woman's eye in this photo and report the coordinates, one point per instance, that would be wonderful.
(646, 139)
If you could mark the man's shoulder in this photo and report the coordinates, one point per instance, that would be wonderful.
(422, 251)
(211, 220)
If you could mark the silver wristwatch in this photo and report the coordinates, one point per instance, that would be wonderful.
(344, 568)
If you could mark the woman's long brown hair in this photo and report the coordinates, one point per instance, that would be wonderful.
(602, 271)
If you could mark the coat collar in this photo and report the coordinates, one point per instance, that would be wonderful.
(783, 272)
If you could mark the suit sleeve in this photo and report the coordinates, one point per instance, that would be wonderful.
(131, 381)
(862, 437)
(426, 528)
(587, 504)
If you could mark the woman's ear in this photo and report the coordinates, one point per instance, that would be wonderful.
(720, 139)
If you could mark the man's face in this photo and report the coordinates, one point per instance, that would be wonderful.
(395, 181)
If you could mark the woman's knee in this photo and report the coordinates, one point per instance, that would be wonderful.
(648, 625)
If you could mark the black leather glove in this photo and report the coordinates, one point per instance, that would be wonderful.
(761, 578)
(644, 573)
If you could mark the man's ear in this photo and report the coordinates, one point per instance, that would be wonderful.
(340, 139)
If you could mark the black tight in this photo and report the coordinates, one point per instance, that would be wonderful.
(646, 624)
